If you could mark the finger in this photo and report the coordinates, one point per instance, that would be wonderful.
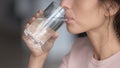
(52, 39)
(49, 44)
(36, 51)
(26, 39)
(30, 44)
(41, 12)
(38, 14)
(31, 20)
(35, 16)
(55, 35)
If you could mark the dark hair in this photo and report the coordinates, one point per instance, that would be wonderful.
(116, 21)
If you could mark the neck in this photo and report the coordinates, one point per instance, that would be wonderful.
(104, 41)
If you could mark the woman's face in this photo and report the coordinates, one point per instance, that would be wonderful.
(83, 15)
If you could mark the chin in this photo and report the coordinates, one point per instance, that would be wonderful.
(74, 31)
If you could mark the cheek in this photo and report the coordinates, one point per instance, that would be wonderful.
(87, 16)
(86, 21)
(76, 28)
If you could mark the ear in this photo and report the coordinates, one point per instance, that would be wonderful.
(111, 10)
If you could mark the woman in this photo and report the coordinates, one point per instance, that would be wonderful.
(100, 19)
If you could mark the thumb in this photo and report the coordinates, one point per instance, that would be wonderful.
(49, 44)
(53, 38)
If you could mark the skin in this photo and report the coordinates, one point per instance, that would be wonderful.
(93, 18)
(38, 55)
(83, 16)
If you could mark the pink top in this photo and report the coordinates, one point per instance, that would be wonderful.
(81, 56)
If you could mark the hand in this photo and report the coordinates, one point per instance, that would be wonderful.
(38, 51)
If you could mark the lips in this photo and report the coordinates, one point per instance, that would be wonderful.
(69, 18)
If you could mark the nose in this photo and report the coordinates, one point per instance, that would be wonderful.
(66, 4)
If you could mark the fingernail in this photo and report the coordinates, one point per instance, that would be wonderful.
(33, 18)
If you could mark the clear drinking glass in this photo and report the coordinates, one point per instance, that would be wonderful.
(44, 27)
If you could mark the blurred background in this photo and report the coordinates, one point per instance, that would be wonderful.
(13, 51)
